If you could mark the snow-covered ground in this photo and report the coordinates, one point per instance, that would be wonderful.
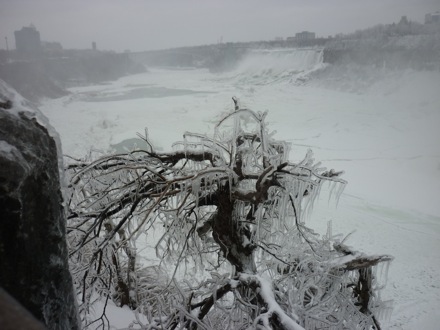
(381, 128)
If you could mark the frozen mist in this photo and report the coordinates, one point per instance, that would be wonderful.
(380, 126)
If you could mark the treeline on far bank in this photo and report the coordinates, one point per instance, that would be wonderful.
(48, 75)
(401, 45)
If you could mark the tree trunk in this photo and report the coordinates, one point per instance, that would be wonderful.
(232, 236)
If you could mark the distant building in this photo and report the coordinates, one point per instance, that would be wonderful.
(94, 45)
(305, 35)
(27, 40)
(432, 18)
(403, 21)
(51, 46)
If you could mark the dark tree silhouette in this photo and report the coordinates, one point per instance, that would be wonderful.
(232, 200)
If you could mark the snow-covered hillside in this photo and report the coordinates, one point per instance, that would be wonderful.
(378, 125)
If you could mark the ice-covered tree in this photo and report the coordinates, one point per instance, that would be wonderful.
(227, 211)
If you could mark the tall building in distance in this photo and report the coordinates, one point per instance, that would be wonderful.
(305, 35)
(432, 18)
(27, 40)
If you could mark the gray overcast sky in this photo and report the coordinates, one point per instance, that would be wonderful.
(156, 24)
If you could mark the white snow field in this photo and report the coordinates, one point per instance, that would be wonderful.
(381, 127)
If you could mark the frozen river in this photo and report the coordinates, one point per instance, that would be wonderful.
(381, 127)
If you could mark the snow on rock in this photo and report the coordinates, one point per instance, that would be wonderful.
(33, 251)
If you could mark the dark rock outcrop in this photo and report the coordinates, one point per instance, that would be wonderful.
(33, 251)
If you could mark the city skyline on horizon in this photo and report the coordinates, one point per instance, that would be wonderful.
(176, 25)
